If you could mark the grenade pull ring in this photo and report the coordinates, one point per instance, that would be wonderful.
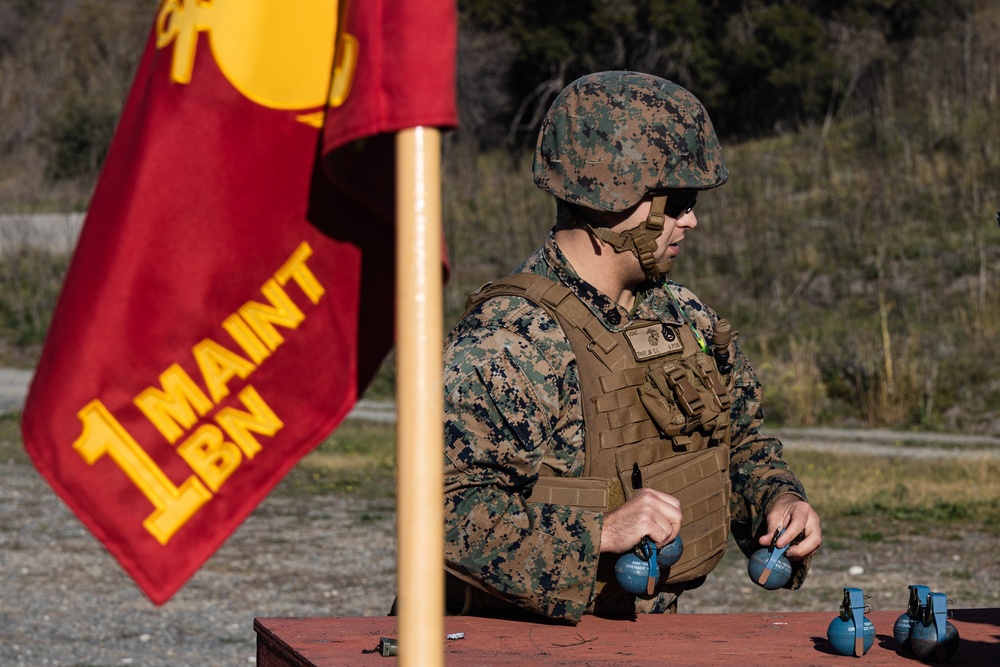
(918, 598)
(772, 560)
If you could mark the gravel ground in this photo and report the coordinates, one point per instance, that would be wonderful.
(65, 601)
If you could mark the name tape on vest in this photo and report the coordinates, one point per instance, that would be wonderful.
(653, 340)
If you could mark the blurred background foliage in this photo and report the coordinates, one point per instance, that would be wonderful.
(855, 246)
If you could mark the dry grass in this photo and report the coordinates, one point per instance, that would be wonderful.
(900, 489)
(359, 458)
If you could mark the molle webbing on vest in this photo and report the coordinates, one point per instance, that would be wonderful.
(584, 492)
(700, 481)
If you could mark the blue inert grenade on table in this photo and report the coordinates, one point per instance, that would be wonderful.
(639, 570)
(851, 633)
(932, 637)
(770, 567)
(914, 612)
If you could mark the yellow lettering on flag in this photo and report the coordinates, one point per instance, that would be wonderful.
(262, 317)
(209, 455)
(218, 366)
(174, 505)
(246, 339)
(172, 409)
(238, 424)
(178, 403)
(295, 269)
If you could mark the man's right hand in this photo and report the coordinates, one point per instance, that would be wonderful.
(647, 513)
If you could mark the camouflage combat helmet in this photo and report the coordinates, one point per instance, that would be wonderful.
(611, 139)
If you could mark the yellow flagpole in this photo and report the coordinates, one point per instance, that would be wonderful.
(419, 430)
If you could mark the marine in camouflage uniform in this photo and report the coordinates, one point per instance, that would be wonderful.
(514, 408)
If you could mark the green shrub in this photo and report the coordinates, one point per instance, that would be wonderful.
(77, 139)
(30, 281)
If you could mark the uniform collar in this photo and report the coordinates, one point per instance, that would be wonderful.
(653, 301)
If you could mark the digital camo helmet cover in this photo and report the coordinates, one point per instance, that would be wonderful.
(611, 138)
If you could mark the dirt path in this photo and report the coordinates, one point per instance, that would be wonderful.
(13, 388)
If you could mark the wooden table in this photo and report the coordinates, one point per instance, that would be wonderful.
(685, 639)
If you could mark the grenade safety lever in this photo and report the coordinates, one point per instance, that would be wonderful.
(932, 636)
(770, 568)
(854, 606)
(937, 607)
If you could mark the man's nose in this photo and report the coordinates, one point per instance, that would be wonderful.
(689, 220)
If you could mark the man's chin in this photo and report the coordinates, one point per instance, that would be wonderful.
(666, 265)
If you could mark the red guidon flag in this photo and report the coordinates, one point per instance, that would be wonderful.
(229, 295)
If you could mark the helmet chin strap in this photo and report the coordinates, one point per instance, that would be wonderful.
(640, 240)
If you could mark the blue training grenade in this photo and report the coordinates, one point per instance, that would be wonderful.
(639, 570)
(770, 568)
(851, 633)
(932, 636)
(914, 611)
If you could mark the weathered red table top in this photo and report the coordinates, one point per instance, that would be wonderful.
(684, 639)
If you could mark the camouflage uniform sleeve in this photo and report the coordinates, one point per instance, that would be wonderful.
(757, 470)
(504, 400)
(759, 473)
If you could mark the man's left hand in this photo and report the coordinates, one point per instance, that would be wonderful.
(797, 518)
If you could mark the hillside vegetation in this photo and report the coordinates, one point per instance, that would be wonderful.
(855, 246)
(859, 255)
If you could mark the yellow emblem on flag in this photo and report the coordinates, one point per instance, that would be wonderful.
(278, 54)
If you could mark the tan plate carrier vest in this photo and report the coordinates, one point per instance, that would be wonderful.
(653, 402)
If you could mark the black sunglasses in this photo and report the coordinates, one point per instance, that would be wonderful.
(679, 202)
